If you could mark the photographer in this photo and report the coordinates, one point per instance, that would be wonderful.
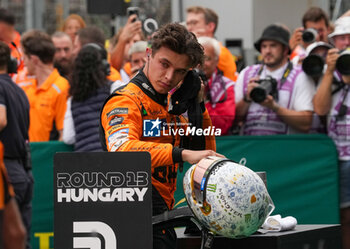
(335, 106)
(287, 108)
(315, 28)
(341, 40)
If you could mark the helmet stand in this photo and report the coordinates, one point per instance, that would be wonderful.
(207, 239)
(180, 217)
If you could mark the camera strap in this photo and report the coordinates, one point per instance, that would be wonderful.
(343, 108)
(339, 85)
(285, 73)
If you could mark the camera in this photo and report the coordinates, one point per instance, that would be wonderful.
(266, 87)
(343, 62)
(313, 64)
(309, 35)
(201, 75)
(12, 65)
(133, 10)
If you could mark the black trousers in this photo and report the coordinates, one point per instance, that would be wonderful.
(23, 183)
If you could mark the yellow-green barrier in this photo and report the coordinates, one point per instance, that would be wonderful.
(302, 177)
(42, 218)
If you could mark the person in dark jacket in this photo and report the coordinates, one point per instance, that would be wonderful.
(89, 89)
(14, 125)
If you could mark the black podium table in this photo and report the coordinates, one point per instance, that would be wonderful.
(302, 237)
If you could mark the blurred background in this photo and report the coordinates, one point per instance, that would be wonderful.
(240, 22)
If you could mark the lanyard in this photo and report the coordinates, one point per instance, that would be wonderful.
(343, 108)
(285, 73)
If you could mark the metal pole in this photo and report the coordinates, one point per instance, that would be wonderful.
(39, 13)
(181, 14)
(336, 10)
(5, 4)
(29, 14)
(65, 9)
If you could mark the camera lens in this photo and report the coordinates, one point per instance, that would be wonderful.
(266, 86)
(201, 74)
(258, 94)
(309, 35)
(343, 63)
(313, 65)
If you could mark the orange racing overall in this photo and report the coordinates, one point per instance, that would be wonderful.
(127, 119)
(136, 118)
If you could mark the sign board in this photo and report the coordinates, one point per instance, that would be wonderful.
(102, 200)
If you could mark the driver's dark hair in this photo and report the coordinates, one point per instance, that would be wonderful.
(177, 38)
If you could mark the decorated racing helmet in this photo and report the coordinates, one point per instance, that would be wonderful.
(229, 199)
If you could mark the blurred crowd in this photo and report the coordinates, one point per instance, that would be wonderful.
(52, 87)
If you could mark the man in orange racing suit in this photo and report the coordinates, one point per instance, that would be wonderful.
(136, 117)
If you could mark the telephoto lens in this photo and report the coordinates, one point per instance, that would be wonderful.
(309, 35)
(313, 65)
(343, 62)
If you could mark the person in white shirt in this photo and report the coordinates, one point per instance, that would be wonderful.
(335, 105)
(287, 109)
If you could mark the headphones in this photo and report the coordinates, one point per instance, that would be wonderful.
(12, 65)
(12, 62)
(105, 64)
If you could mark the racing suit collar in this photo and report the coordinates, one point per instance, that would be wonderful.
(142, 81)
